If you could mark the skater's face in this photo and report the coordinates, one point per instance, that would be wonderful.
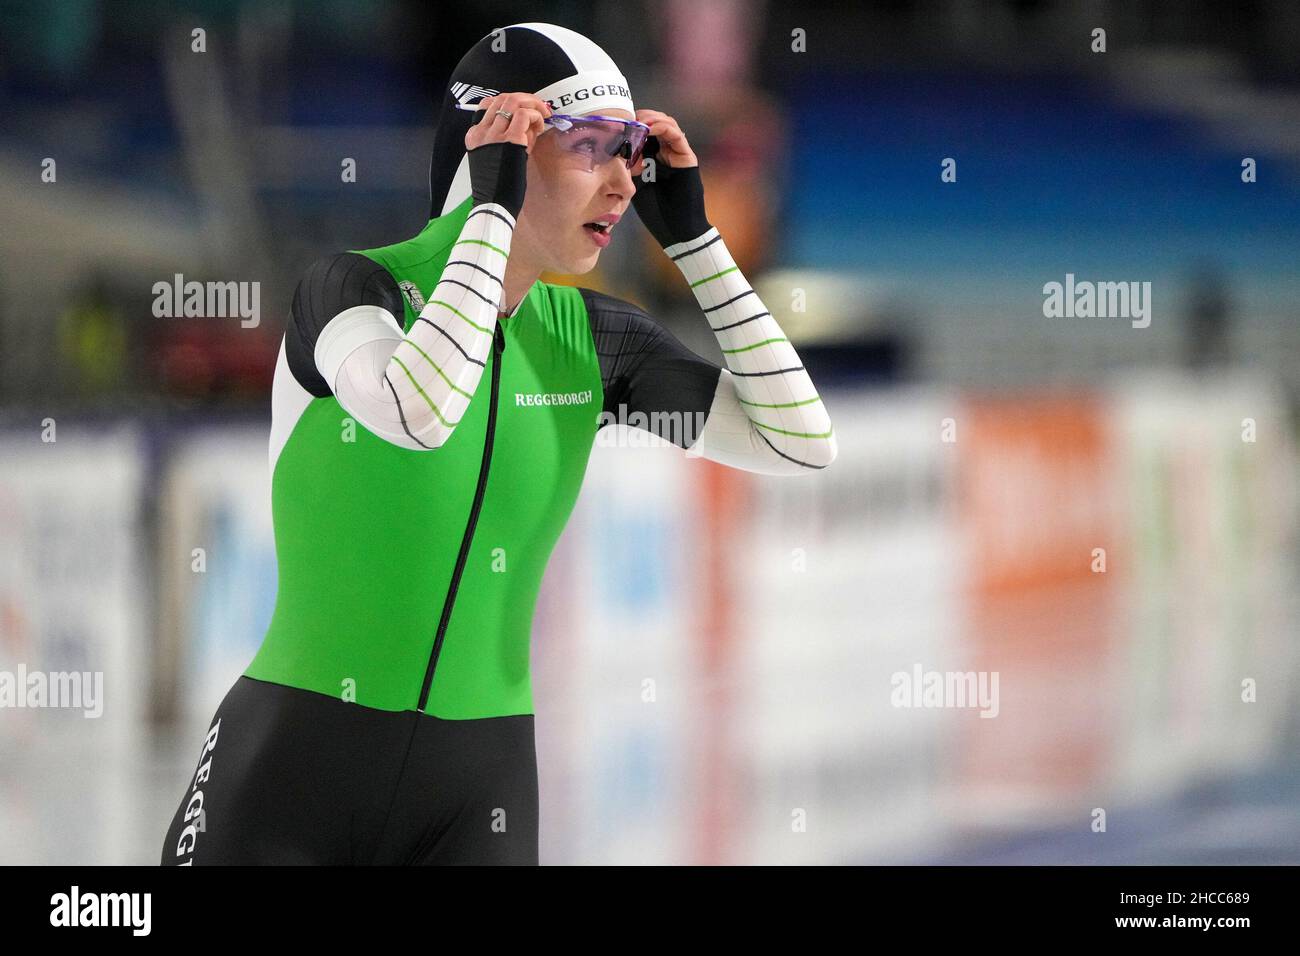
(564, 195)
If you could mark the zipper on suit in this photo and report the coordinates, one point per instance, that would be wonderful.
(499, 346)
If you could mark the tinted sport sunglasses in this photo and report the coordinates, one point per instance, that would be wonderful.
(597, 139)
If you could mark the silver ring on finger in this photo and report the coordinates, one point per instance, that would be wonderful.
(507, 114)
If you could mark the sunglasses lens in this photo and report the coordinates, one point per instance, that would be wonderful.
(601, 140)
(637, 147)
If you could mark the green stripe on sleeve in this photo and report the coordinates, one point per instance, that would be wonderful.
(715, 276)
(806, 401)
(422, 394)
(462, 315)
(449, 382)
(782, 431)
(754, 346)
(480, 242)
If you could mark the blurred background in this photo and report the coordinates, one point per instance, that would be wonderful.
(1102, 514)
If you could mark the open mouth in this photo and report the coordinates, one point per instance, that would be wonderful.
(599, 233)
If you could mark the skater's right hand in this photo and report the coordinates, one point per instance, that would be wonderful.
(524, 126)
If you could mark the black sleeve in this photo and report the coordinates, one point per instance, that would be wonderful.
(329, 286)
(646, 369)
(498, 172)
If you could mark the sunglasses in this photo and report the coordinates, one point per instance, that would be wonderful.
(593, 140)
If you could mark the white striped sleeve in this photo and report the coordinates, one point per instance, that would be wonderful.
(413, 389)
(766, 414)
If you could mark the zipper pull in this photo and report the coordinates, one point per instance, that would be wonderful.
(500, 339)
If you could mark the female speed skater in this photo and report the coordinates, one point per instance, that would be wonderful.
(434, 406)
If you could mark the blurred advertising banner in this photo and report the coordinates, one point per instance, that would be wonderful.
(75, 639)
(849, 579)
(989, 612)
(714, 651)
(1208, 470)
(217, 562)
(1129, 560)
(1035, 494)
(617, 674)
